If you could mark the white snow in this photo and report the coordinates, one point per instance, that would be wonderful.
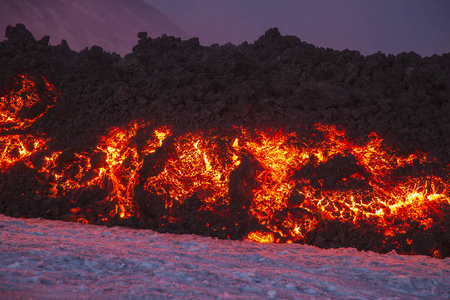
(42, 259)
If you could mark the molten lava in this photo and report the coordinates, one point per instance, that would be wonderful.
(22, 104)
(196, 165)
(14, 148)
(113, 166)
(284, 184)
(20, 107)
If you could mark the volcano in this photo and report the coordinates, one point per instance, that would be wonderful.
(276, 141)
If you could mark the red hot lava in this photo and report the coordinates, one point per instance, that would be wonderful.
(284, 186)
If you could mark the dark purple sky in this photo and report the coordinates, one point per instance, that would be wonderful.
(390, 26)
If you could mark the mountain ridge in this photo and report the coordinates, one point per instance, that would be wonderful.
(86, 23)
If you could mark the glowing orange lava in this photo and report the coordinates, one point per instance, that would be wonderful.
(14, 148)
(24, 95)
(261, 237)
(117, 162)
(198, 165)
(290, 204)
(287, 184)
(16, 114)
(375, 194)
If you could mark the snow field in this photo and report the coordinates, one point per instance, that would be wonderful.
(43, 259)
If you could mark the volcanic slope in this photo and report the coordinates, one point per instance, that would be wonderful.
(85, 23)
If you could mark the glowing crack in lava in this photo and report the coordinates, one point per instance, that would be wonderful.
(14, 148)
(23, 104)
(113, 166)
(336, 179)
(297, 183)
(197, 164)
(20, 107)
(267, 185)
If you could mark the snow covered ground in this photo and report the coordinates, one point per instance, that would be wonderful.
(42, 259)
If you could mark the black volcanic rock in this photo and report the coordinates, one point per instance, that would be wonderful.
(423, 243)
(19, 35)
(404, 98)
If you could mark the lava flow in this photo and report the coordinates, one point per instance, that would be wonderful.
(112, 166)
(291, 185)
(25, 102)
(20, 107)
(262, 184)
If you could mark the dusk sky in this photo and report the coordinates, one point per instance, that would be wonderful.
(422, 26)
